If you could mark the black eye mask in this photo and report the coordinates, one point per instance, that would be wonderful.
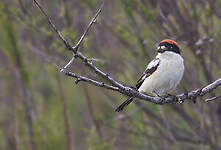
(168, 47)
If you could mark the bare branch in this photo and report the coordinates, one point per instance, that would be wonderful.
(53, 26)
(94, 19)
(75, 48)
(117, 86)
(99, 72)
(213, 98)
(195, 93)
(157, 100)
(69, 63)
(91, 81)
(78, 54)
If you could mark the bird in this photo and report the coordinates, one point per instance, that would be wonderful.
(162, 74)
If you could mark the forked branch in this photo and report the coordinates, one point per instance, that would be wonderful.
(115, 85)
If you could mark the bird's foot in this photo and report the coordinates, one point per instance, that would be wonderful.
(156, 94)
(174, 97)
(193, 99)
(168, 95)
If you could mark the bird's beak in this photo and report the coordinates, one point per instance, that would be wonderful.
(162, 49)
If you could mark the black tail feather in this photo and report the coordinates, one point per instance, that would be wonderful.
(124, 104)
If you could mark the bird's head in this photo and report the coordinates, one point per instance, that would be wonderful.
(168, 45)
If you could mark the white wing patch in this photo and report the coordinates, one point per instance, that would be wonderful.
(151, 68)
(153, 63)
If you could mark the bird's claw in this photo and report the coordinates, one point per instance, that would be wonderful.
(175, 97)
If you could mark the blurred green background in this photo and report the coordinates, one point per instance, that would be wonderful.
(42, 109)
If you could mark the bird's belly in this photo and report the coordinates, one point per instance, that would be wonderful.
(164, 79)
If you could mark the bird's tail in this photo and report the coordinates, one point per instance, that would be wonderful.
(124, 104)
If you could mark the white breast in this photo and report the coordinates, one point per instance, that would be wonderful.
(167, 76)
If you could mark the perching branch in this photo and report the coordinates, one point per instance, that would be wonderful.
(115, 85)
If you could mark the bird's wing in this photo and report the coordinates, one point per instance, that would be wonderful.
(151, 68)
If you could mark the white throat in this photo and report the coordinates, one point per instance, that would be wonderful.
(168, 55)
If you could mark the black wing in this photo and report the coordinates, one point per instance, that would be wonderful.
(151, 68)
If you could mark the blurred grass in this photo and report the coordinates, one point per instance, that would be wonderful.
(31, 104)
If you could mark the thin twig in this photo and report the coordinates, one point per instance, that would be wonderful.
(213, 98)
(80, 55)
(75, 48)
(91, 81)
(69, 63)
(94, 19)
(117, 86)
(99, 72)
(96, 60)
(53, 26)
